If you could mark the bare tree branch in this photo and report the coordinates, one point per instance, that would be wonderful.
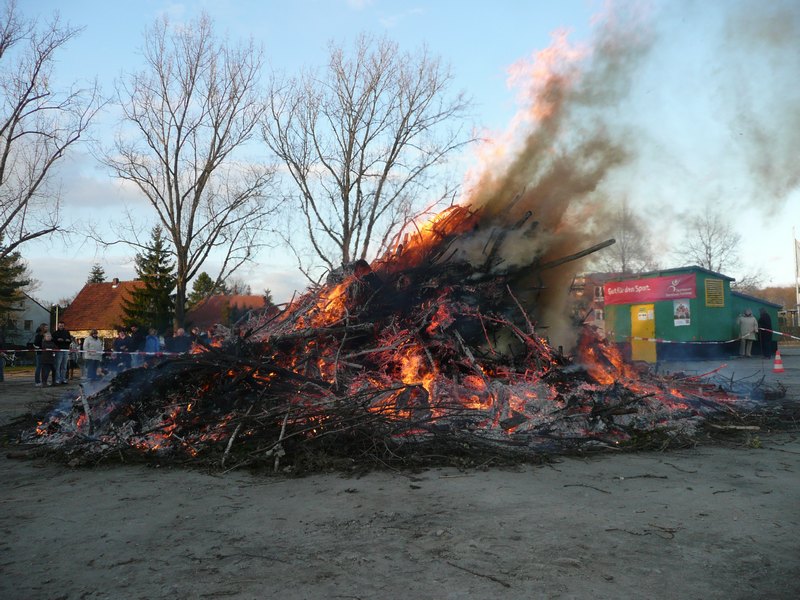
(38, 125)
(360, 142)
(633, 251)
(710, 242)
(187, 114)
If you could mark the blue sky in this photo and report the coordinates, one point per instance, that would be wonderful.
(713, 79)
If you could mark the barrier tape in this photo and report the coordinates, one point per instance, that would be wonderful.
(160, 354)
(794, 337)
(663, 341)
(102, 352)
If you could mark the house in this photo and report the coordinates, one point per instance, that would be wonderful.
(98, 306)
(20, 325)
(222, 310)
(688, 312)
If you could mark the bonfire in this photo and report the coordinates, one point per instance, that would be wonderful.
(432, 354)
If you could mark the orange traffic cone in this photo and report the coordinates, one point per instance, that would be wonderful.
(778, 366)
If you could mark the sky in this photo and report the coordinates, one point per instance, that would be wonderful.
(703, 93)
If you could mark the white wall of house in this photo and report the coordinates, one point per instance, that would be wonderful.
(21, 325)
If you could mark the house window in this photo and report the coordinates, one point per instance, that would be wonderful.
(28, 325)
(715, 292)
(598, 314)
(598, 291)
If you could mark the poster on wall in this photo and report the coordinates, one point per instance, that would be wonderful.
(681, 312)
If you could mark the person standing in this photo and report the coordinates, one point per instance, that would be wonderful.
(38, 338)
(122, 347)
(62, 339)
(765, 333)
(181, 343)
(92, 354)
(137, 339)
(152, 347)
(748, 326)
(49, 351)
(74, 358)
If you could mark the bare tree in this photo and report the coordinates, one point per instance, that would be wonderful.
(360, 142)
(38, 124)
(710, 242)
(187, 113)
(633, 250)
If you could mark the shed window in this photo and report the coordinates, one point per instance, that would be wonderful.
(715, 292)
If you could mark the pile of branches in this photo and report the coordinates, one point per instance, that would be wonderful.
(432, 360)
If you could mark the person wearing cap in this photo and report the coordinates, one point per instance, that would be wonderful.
(748, 328)
(92, 354)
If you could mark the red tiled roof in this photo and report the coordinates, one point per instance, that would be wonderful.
(98, 306)
(209, 312)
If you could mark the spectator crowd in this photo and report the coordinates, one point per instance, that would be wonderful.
(58, 355)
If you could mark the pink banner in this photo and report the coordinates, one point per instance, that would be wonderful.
(650, 290)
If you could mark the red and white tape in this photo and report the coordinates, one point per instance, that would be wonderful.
(663, 341)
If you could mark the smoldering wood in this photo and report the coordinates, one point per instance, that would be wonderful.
(408, 371)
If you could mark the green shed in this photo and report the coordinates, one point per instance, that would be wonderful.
(688, 312)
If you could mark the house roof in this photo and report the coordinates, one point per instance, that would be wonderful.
(211, 311)
(98, 305)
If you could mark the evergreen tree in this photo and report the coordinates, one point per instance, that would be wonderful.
(97, 274)
(151, 305)
(13, 278)
(268, 302)
(203, 287)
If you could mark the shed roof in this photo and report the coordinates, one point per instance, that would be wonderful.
(98, 305)
(749, 298)
(662, 272)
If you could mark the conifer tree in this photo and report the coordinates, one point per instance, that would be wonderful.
(203, 287)
(151, 305)
(97, 274)
(13, 279)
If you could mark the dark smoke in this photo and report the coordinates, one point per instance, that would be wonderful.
(694, 104)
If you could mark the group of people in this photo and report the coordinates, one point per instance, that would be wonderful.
(58, 354)
(134, 348)
(752, 329)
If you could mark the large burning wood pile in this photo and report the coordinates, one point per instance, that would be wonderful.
(428, 355)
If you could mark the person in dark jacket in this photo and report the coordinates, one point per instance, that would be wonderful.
(38, 338)
(48, 358)
(137, 338)
(765, 333)
(181, 343)
(122, 347)
(62, 339)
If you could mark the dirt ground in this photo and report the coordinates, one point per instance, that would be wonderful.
(710, 522)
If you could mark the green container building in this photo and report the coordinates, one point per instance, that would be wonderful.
(664, 315)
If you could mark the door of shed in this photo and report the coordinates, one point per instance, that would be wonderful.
(643, 325)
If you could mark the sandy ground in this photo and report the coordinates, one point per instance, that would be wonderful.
(710, 522)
